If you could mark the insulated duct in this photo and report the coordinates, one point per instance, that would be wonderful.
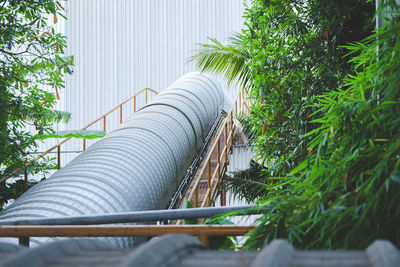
(135, 167)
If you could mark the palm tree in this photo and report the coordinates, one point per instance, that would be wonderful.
(228, 61)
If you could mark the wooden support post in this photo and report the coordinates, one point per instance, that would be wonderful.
(231, 131)
(58, 157)
(223, 197)
(219, 163)
(120, 230)
(104, 123)
(146, 96)
(231, 120)
(24, 241)
(240, 103)
(209, 181)
(26, 179)
(226, 142)
(204, 239)
(84, 144)
(236, 107)
(120, 113)
(226, 132)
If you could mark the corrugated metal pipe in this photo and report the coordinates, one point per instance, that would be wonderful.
(135, 167)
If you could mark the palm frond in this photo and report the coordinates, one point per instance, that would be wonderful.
(51, 116)
(249, 184)
(58, 115)
(228, 61)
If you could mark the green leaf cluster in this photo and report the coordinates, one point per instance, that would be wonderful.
(87, 134)
(345, 192)
(32, 69)
(296, 55)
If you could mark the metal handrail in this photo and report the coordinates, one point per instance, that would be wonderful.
(58, 146)
(175, 201)
(241, 106)
(140, 216)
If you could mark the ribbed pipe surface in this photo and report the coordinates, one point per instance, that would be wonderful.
(135, 167)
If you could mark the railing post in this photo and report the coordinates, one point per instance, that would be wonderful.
(209, 181)
(240, 103)
(26, 179)
(120, 114)
(223, 198)
(84, 144)
(226, 141)
(58, 157)
(146, 96)
(231, 130)
(196, 197)
(134, 103)
(219, 162)
(247, 102)
(104, 123)
(204, 239)
(23, 241)
(236, 107)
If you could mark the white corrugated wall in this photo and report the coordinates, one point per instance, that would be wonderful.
(122, 46)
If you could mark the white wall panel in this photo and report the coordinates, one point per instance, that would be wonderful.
(122, 46)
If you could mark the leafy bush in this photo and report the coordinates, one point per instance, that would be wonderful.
(326, 113)
(345, 193)
(32, 68)
(295, 56)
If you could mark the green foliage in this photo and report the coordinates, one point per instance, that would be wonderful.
(12, 191)
(326, 113)
(221, 242)
(87, 134)
(249, 184)
(9, 191)
(295, 57)
(228, 61)
(186, 204)
(32, 67)
(345, 193)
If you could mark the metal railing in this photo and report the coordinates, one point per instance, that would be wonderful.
(139, 216)
(102, 118)
(88, 225)
(214, 178)
(176, 199)
(213, 182)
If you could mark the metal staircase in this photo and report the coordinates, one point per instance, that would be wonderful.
(205, 182)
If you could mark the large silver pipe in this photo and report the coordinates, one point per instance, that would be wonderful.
(135, 167)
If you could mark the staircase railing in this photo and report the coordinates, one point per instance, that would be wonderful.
(102, 118)
(213, 182)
